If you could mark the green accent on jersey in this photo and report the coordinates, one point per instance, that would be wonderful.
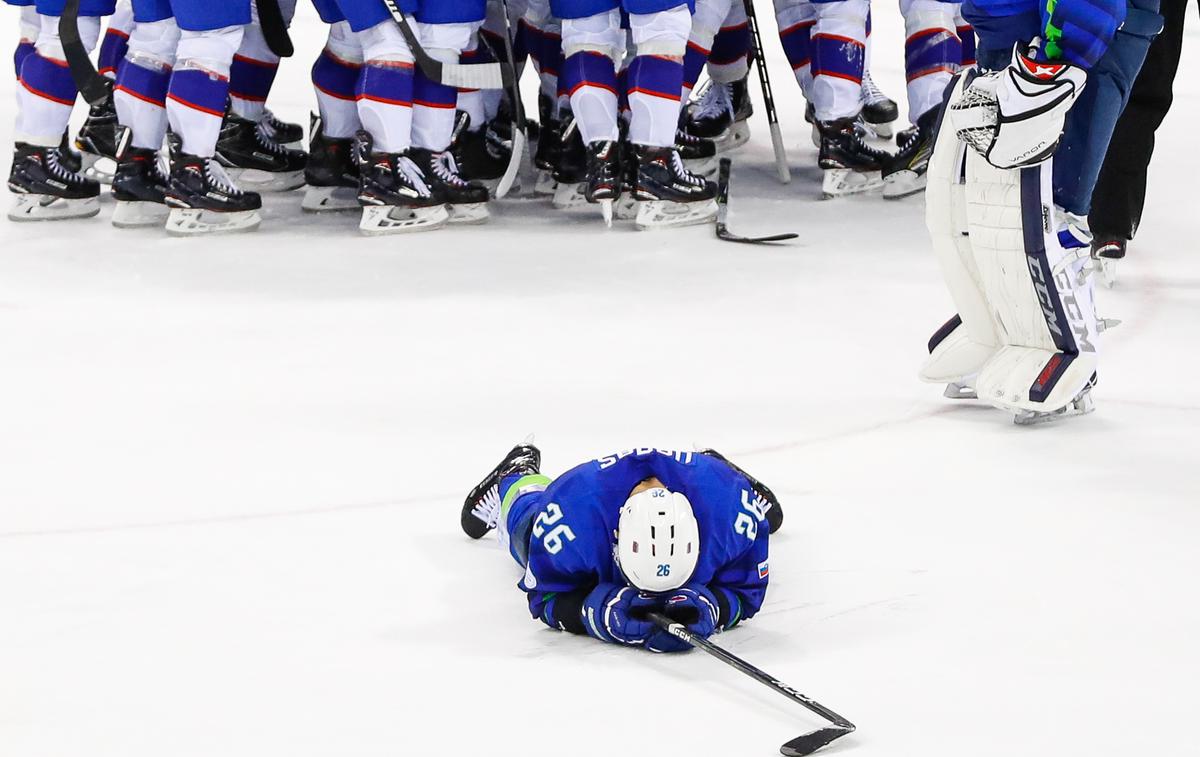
(514, 491)
(1053, 34)
(737, 613)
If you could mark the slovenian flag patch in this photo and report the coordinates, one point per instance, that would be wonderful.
(762, 569)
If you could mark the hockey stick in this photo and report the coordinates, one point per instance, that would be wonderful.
(801, 745)
(94, 87)
(723, 232)
(467, 76)
(274, 28)
(519, 138)
(760, 60)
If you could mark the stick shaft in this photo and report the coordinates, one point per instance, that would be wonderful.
(680, 631)
(764, 79)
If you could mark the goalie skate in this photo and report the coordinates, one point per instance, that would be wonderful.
(960, 390)
(1107, 254)
(1081, 405)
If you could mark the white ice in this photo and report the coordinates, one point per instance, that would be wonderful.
(231, 469)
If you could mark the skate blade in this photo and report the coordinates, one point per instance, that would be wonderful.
(734, 138)
(470, 214)
(1108, 272)
(195, 222)
(606, 210)
(31, 207)
(330, 199)
(379, 220)
(883, 131)
(960, 391)
(545, 185)
(706, 167)
(1081, 405)
(266, 181)
(843, 182)
(98, 167)
(135, 215)
(662, 214)
(903, 184)
(569, 197)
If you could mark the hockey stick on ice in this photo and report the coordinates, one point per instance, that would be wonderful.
(723, 232)
(274, 28)
(760, 61)
(467, 76)
(519, 138)
(801, 745)
(93, 86)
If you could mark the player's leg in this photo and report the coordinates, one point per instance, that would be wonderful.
(670, 194)
(43, 187)
(720, 40)
(203, 199)
(97, 138)
(542, 35)
(879, 112)
(932, 54)
(795, 20)
(253, 144)
(393, 190)
(115, 42)
(139, 98)
(446, 30)
(485, 504)
(332, 172)
(966, 37)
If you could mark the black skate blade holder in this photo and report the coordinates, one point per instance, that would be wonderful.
(723, 232)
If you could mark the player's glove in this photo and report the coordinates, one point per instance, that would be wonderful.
(1015, 117)
(617, 614)
(695, 607)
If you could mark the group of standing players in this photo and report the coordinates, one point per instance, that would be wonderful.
(616, 121)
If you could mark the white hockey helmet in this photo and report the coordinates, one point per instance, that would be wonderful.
(658, 540)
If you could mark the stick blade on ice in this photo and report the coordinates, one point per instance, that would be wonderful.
(811, 742)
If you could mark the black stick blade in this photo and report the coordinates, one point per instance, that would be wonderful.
(811, 742)
(723, 232)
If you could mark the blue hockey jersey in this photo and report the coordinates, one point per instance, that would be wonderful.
(573, 540)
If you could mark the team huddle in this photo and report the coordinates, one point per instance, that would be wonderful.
(616, 124)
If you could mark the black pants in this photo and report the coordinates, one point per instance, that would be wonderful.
(1120, 193)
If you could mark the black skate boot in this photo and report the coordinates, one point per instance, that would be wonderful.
(904, 172)
(204, 200)
(698, 154)
(283, 132)
(140, 189)
(774, 511)
(257, 160)
(45, 190)
(481, 154)
(570, 173)
(604, 176)
(549, 146)
(466, 201)
(668, 194)
(394, 193)
(879, 112)
(722, 114)
(99, 141)
(1108, 250)
(331, 172)
(481, 509)
(849, 164)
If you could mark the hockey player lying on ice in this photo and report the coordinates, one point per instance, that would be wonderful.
(1009, 189)
(684, 533)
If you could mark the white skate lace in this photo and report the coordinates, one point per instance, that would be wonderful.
(217, 176)
(266, 138)
(487, 509)
(717, 101)
(871, 93)
(446, 168)
(682, 172)
(57, 169)
(412, 175)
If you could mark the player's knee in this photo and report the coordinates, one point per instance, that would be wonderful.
(600, 33)
(343, 43)
(384, 42)
(445, 42)
(153, 44)
(708, 19)
(49, 45)
(211, 50)
(663, 33)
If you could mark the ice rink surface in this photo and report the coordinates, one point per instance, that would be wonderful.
(231, 469)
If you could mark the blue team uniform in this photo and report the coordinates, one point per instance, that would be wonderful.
(585, 8)
(363, 14)
(1108, 37)
(193, 15)
(564, 536)
(86, 7)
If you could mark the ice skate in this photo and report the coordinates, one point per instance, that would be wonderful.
(331, 173)
(204, 200)
(604, 176)
(394, 194)
(699, 154)
(98, 142)
(255, 159)
(570, 174)
(481, 509)
(904, 172)
(44, 190)
(1108, 252)
(879, 112)
(140, 189)
(849, 165)
(482, 155)
(1081, 405)
(549, 147)
(722, 114)
(668, 194)
(287, 134)
(466, 201)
